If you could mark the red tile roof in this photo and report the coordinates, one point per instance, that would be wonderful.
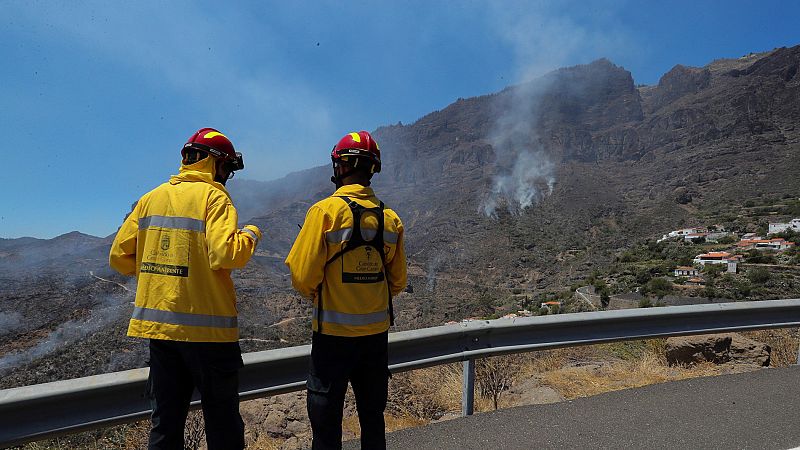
(715, 255)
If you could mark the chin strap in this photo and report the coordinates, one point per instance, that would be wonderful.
(219, 179)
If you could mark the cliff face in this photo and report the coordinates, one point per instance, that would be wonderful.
(526, 189)
(593, 114)
(612, 163)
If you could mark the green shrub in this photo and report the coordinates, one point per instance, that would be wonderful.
(759, 275)
(790, 235)
(743, 289)
(710, 292)
(605, 299)
(757, 257)
(629, 350)
(658, 287)
(726, 240)
(643, 276)
(713, 270)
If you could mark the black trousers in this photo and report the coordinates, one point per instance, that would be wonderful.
(335, 360)
(176, 369)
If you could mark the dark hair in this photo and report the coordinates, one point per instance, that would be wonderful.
(359, 164)
(191, 156)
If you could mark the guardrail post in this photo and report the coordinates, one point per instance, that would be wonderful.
(468, 389)
(798, 355)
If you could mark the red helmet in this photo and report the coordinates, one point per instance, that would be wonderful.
(359, 144)
(213, 142)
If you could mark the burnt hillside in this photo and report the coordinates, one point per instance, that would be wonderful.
(525, 190)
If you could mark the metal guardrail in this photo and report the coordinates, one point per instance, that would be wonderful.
(52, 409)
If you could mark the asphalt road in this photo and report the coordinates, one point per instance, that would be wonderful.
(756, 410)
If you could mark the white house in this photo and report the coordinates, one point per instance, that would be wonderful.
(682, 233)
(695, 236)
(775, 228)
(712, 258)
(719, 258)
(686, 271)
(777, 244)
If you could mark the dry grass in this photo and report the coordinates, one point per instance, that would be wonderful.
(124, 437)
(783, 342)
(265, 442)
(426, 393)
(351, 426)
(403, 422)
(549, 360)
(573, 382)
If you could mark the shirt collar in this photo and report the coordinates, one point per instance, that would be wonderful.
(355, 190)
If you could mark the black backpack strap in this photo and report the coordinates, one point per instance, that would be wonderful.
(356, 241)
(382, 252)
(355, 208)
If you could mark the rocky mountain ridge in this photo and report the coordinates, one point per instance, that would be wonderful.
(522, 191)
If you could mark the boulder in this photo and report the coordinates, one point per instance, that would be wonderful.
(717, 348)
(275, 424)
(296, 427)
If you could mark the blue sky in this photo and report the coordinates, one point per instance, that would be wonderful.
(98, 97)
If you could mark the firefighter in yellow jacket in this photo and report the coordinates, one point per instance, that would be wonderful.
(349, 259)
(181, 241)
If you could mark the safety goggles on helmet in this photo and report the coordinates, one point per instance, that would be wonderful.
(231, 163)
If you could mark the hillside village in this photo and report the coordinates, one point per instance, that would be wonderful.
(687, 265)
(706, 264)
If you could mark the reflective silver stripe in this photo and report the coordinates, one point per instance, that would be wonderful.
(335, 237)
(351, 319)
(251, 233)
(177, 318)
(389, 237)
(177, 223)
(368, 234)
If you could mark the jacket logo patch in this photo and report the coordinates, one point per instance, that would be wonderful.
(165, 242)
(164, 269)
(362, 277)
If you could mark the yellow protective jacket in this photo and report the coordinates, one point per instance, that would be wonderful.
(181, 241)
(351, 293)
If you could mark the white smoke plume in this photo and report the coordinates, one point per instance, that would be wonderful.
(9, 322)
(432, 267)
(525, 174)
(69, 332)
(544, 36)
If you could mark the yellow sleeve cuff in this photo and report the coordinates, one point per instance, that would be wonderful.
(253, 231)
